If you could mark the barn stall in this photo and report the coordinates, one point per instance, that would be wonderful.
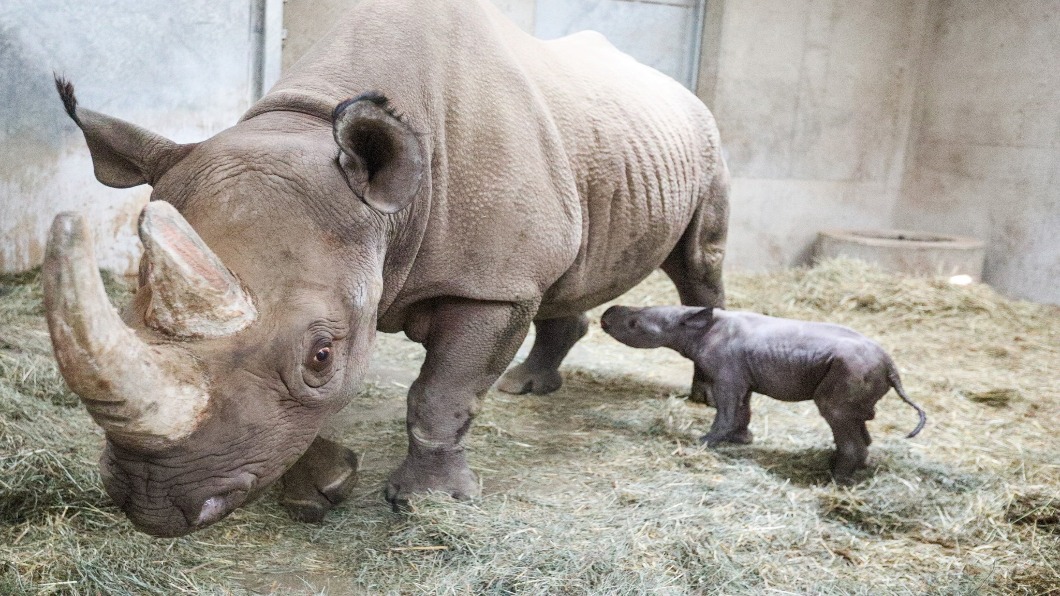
(884, 113)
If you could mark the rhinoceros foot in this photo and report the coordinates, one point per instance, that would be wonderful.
(539, 373)
(738, 437)
(845, 473)
(442, 471)
(321, 479)
(526, 379)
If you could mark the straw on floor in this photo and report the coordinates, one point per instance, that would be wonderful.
(602, 487)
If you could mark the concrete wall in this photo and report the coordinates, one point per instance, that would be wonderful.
(813, 98)
(936, 115)
(985, 155)
(183, 69)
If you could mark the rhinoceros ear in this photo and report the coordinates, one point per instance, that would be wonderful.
(123, 154)
(382, 157)
(700, 319)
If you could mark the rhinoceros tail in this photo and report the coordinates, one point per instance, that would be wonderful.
(896, 382)
(66, 92)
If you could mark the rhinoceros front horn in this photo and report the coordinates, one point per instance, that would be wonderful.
(193, 294)
(144, 396)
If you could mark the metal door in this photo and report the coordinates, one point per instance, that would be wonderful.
(664, 34)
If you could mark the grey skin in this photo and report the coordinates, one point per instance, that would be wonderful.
(842, 371)
(478, 181)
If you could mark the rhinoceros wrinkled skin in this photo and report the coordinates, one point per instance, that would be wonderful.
(841, 370)
(478, 181)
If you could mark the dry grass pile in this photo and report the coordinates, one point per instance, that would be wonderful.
(601, 487)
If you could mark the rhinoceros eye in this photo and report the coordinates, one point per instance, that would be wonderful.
(320, 357)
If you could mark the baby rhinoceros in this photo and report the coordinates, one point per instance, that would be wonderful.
(842, 371)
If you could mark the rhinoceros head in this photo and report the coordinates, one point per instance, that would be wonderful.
(256, 308)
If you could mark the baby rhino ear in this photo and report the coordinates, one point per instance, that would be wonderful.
(700, 319)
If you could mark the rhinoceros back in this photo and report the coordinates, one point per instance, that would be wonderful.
(560, 169)
(643, 150)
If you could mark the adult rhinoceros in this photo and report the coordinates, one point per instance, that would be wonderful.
(479, 180)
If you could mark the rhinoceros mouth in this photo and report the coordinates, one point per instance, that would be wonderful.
(166, 517)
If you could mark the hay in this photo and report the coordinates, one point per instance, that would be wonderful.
(601, 487)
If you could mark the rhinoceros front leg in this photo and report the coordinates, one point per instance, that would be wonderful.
(468, 346)
(321, 479)
(539, 373)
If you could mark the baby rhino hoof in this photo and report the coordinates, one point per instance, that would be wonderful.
(522, 379)
(324, 477)
(843, 470)
(741, 437)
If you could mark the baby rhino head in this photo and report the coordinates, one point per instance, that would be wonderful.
(655, 326)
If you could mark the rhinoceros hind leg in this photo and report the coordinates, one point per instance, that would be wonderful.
(846, 397)
(695, 266)
(321, 479)
(539, 373)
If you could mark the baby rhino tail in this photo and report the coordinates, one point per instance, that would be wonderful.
(896, 382)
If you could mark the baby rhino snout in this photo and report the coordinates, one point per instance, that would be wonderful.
(605, 319)
(641, 327)
(614, 317)
(620, 322)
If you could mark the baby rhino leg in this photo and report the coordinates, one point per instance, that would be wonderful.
(847, 398)
(852, 447)
(321, 479)
(733, 417)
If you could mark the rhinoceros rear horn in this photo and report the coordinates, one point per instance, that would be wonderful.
(144, 396)
(382, 157)
(193, 294)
